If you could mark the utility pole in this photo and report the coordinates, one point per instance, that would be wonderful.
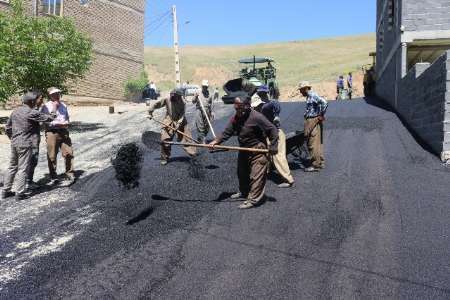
(176, 47)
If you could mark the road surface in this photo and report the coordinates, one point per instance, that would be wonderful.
(373, 225)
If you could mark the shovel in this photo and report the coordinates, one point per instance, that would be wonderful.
(220, 147)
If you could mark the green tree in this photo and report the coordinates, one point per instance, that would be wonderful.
(39, 52)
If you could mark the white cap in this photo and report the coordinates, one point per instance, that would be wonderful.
(256, 101)
(53, 90)
(205, 83)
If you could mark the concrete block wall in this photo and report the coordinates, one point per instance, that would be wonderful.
(422, 101)
(423, 15)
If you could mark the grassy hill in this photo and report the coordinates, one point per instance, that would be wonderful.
(319, 61)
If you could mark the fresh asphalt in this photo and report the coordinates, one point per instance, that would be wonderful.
(373, 225)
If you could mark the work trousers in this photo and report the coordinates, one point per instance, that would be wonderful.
(313, 137)
(33, 162)
(280, 159)
(252, 174)
(56, 140)
(201, 124)
(18, 169)
(168, 134)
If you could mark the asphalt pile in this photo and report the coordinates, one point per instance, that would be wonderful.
(128, 164)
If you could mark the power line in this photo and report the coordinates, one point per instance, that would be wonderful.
(157, 19)
(150, 30)
(153, 29)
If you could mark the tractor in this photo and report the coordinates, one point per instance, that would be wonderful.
(260, 71)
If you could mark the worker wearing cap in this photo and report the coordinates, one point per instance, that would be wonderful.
(57, 136)
(23, 130)
(271, 110)
(316, 108)
(175, 117)
(253, 131)
(204, 105)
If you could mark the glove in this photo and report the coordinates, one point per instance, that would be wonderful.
(277, 122)
(273, 151)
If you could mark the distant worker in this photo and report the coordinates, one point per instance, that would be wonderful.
(153, 91)
(350, 85)
(216, 94)
(204, 105)
(271, 110)
(22, 129)
(175, 117)
(340, 88)
(316, 108)
(253, 131)
(57, 136)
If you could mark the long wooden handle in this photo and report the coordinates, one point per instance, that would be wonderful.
(173, 128)
(206, 116)
(232, 148)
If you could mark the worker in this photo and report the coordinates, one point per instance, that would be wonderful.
(175, 117)
(216, 94)
(271, 110)
(23, 130)
(57, 136)
(350, 85)
(253, 131)
(31, 185)
(314, 117)
(204, 105)
(340, 88)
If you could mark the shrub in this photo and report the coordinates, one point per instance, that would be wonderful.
(39, 52)
(136, 86)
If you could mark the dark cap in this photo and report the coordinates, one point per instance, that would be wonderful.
(30, 96)
(243, 97)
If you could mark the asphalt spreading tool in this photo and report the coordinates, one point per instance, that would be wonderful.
(220, 147)
(127, 165)
(176, 130)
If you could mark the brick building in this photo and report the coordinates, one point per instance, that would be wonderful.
(413, 66)
(117, 30)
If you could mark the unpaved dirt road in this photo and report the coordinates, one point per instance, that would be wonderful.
(373, 224)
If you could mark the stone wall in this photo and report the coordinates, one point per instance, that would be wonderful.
(426, 15)
(424, 102)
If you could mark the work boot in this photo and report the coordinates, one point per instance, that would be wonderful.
(246, 205)
(70, 179)
(6, 194)
(236, 196)
(54, 181)
(164, 162)
(285, 185)
(311, 169)
(31, 186)
(20, 197)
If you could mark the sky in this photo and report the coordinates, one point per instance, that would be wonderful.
(244, 22)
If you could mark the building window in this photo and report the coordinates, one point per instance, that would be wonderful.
(52, 7)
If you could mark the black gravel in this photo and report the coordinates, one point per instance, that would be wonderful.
(373, 225)
(127, 165)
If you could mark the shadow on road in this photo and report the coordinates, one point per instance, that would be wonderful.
(141, 216)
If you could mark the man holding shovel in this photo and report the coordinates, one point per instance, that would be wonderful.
(204, 105)
(252, 130)
(175, 119)
(314, 117)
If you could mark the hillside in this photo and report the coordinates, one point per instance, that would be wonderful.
(319, 61)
